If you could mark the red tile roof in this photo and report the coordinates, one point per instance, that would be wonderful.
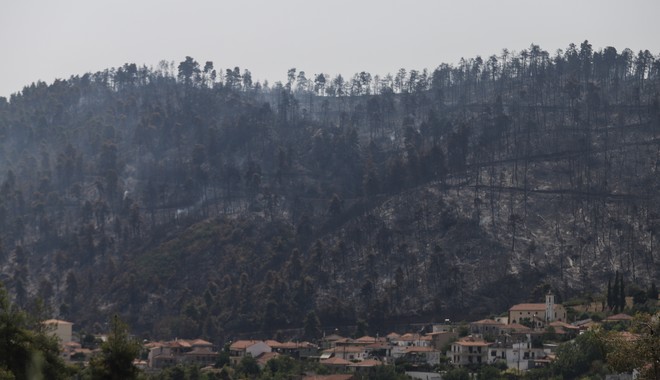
(266, 356)
(366, 339)
(335, 361)
(528, 307)
(200, 342)
(517, 327)
(243, 344)
(468, 341)
(366, 363)
(618, 317)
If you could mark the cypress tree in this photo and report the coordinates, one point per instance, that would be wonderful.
(609, 293)
(615, 294)
(622, 295)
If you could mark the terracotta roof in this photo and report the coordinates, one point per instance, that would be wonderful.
(393, 335)
(366, 363)
(563, 325)
(266, 356)
(618, 317)
(472, 342)
(56, 322)
(366, 339)
(181, 343)
(154, 345)
(335, 361)
(243, 344)
(487, 322)
(273, 343)
(201, 342)
(516, 327)
(528, 307)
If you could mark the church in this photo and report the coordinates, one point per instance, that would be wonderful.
(540, 313)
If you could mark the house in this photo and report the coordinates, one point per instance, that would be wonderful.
(61, 329)
(538, 314)
(422, 355)
(330, 340)
(168, 354)
(335, 363)
(486, 327)
(364, 365)
(412, 339)
(263, 359)
(201, 356)
(624, 319)
(352, 353)
(242, 348)
(296, 350)
(442, 338)
(522, 355)
(392, 336)
(563, 328)
(468, 350)
(380, 351)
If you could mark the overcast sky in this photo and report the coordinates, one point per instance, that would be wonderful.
(44, 40)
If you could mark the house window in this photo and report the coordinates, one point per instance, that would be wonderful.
(493, 353)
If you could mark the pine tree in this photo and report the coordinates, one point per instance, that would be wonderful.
(117, 354)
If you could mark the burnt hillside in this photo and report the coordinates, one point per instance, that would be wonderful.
(197, 203)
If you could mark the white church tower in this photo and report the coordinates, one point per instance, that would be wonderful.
(549, 307)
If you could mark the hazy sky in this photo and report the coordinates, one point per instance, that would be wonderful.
(44, 40)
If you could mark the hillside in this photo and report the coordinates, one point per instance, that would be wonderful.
(195, 202)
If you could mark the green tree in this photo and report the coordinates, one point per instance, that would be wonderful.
(383, 372)
(457, 374)
(312, 326)
(26, 353)
(248, 366)
(117, 354)
(575, 358)
(188, 69)
(643, 353)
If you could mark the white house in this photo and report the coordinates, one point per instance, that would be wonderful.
(61, 329)
(242, 348)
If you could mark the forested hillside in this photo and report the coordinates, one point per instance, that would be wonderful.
(196, 202)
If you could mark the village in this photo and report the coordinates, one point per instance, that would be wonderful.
(527, 337)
